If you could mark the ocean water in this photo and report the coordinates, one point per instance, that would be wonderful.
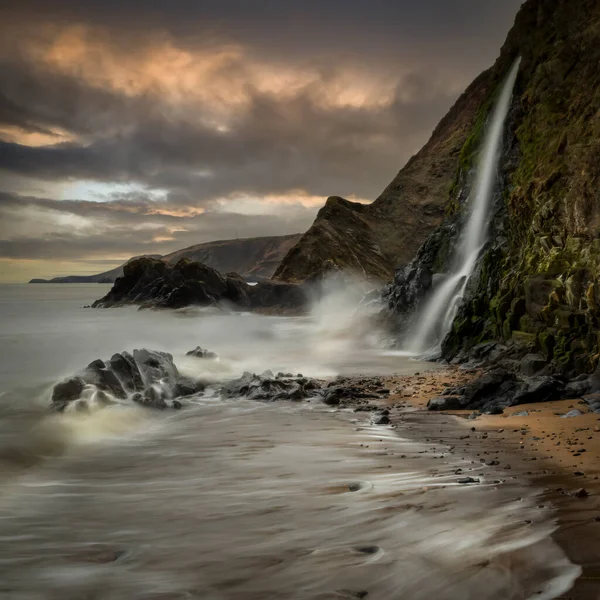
(233, 499)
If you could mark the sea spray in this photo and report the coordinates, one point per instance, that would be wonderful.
(434, 319)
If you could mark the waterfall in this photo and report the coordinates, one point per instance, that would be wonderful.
(434, 319)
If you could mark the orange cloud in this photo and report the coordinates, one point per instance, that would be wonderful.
(215, 79)
(17, 135)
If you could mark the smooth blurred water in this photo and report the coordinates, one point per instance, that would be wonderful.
(234, 499)
(46, 334)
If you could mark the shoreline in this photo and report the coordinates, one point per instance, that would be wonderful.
(559, 456)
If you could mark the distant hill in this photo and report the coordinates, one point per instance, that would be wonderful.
(105, 277)
(250, 257)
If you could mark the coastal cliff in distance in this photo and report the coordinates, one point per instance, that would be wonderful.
(249, 257)
(372, 239)
(537, 285)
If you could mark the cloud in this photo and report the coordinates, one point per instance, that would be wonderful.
(36, 228)
(220, 117)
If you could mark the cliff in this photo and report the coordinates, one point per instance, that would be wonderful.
(373, 239)
(537, 285)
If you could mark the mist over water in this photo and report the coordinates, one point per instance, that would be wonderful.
(234, 499)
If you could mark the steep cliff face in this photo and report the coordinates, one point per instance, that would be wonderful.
(373, 239)
(538, 282)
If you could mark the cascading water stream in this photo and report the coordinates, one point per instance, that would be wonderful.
(434, 319)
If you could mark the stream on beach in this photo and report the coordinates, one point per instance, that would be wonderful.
(238, 499)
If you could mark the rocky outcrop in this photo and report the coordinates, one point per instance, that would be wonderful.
(537, 282)
(373, 239)
(267, 386)
(146, 377)
(499, 388)
(154, 283)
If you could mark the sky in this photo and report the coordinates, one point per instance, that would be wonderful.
(132, 128)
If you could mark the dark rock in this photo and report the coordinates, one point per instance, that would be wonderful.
(532, 363)
(151, 282)
(337, 394)
(151, 398)
(577, 388)
(66, 391)
(446, 403)
(581, 493)
(268, 387)
(186, 386)
(125, 368)
(593, 401)
(199, 352)
(539, 389)
(382, 420)
(104, 378)
(465, 480)
(147, 377)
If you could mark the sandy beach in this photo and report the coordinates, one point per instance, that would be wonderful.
(558, 455)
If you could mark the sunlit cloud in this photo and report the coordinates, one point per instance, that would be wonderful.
(18, 135)
(125, 131)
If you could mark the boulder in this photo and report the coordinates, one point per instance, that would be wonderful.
(493, 388)
(593, 401)
(147, 377)
(539, 389)
(577, 388)
(532, 364)
(341, 394)
(199, 352)
(67, 391)
(446, 403)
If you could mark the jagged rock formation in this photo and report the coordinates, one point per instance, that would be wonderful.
(153, 283)
(267, 386)
(146, 377)
(537, 284)
(373, 239)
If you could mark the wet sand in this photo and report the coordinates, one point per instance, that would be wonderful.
(559, 455)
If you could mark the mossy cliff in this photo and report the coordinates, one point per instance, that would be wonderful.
(539, 280)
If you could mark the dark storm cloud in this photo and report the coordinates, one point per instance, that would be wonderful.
(273, 146)
(311, 97)
(291, 26)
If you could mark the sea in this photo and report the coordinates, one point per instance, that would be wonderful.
(235, 499)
